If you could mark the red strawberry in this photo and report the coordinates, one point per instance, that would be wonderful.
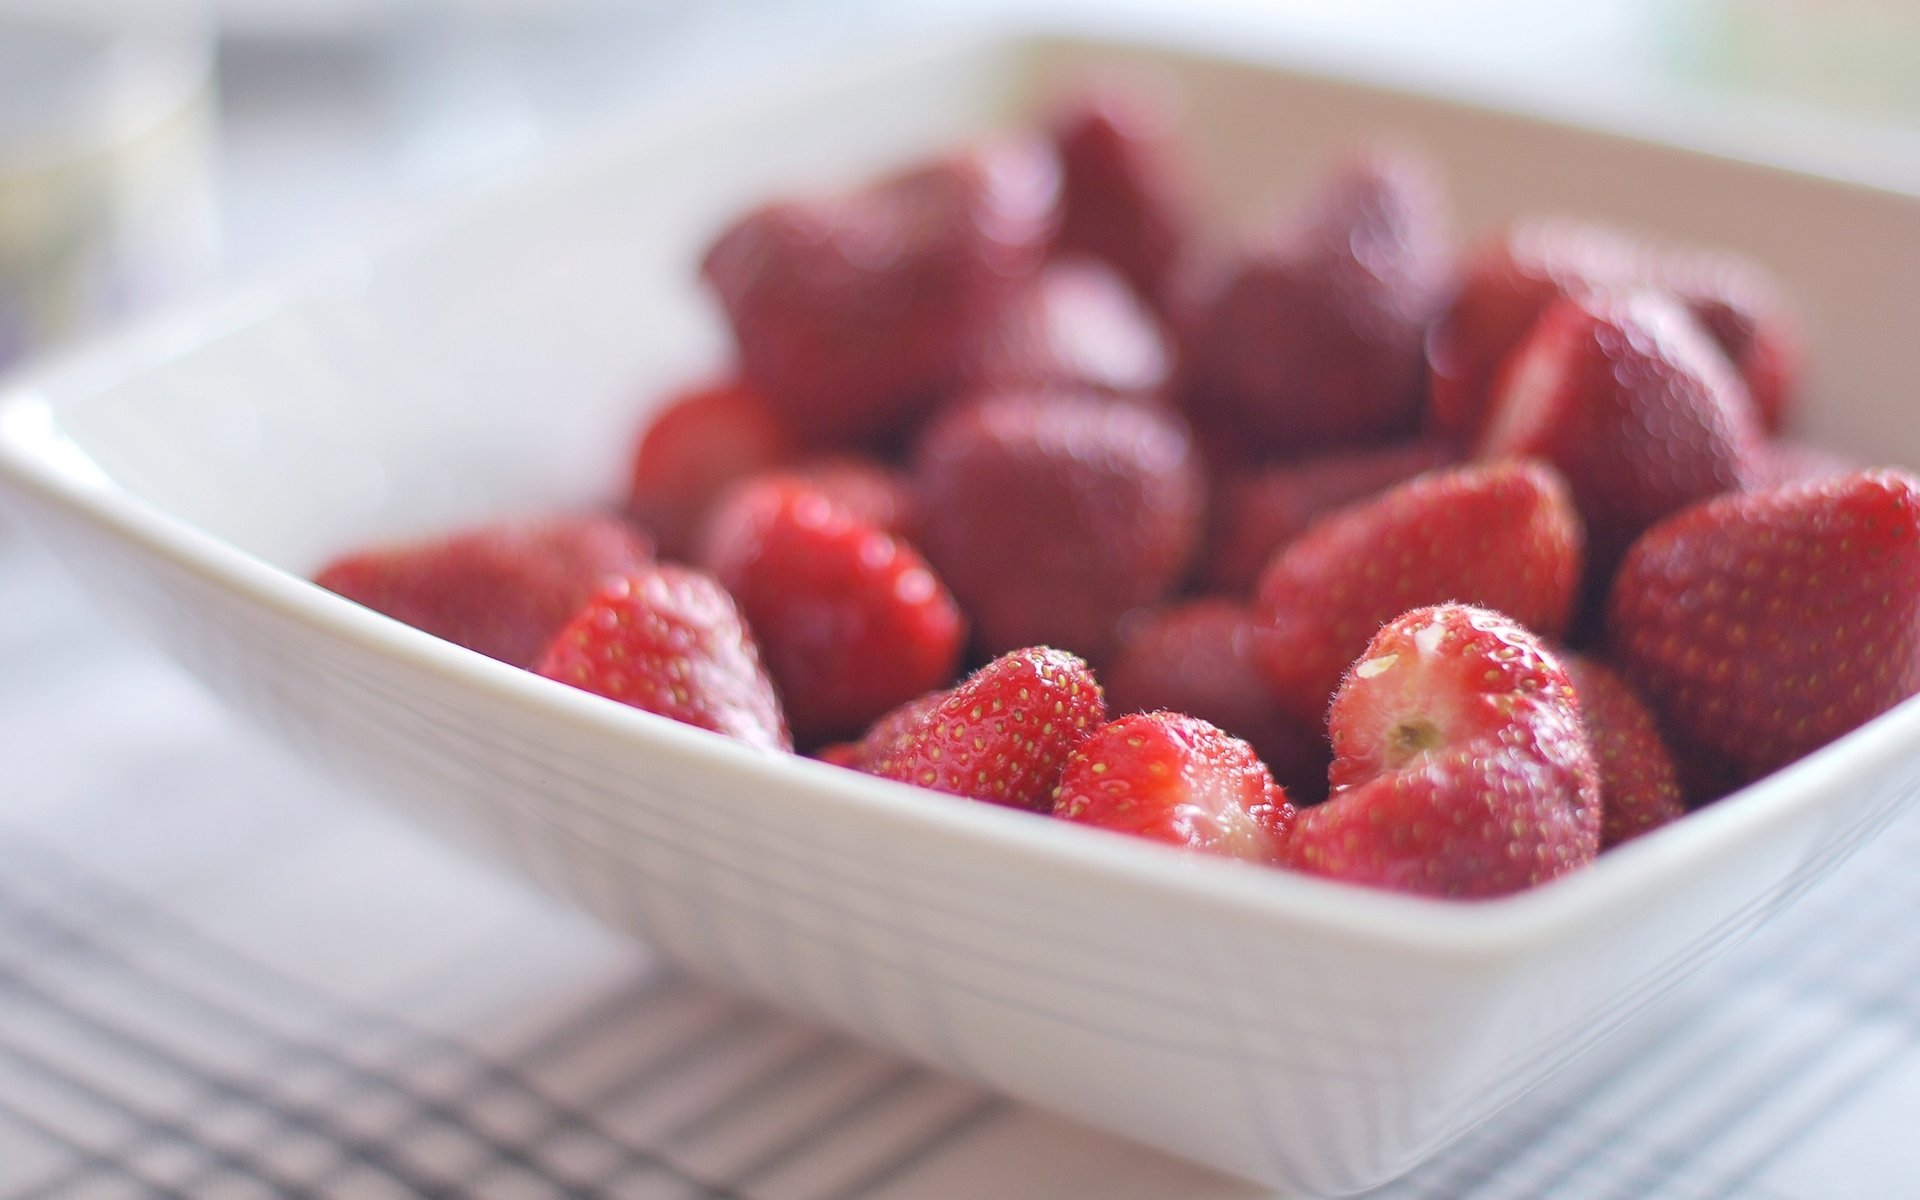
(1174, 778)
(1634, 405)
(1077, 325)
(873, 493)
(1765, 625)
(1124, 198)
(503, 589)
(669, 640)
(1500, 535)
(1316, 340)
(1052, 515)
(1257, 515)
(850, 312)
(1460, 767)
(1639, 789)
(1201, 658)
(1505, 284)
(1001, 735)
(852, 620)
(1742, 309)
(702, 441)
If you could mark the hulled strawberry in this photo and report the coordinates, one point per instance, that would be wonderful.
(1500, 535)
(1174, 778)
(1460, 766)
(1765, 625)
(501, 589)
(1124, 199)
(669, 640)
(1052, 515)
(1638, 410)
(1077, 325)
(1316, 339)
(1639, 788)
(850, 312)
(1202, 658)
(1001, 735)
(1257, 514)
(851, 619)
(703, 441)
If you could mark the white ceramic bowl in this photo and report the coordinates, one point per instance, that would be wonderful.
(495, 361)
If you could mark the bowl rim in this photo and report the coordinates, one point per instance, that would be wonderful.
(39, 457)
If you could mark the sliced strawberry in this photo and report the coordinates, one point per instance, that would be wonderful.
(1052, 515)
(1765, 625)
(1500, 535)
(669, 640)
(1639, 789)
(851, 619)
(1460, 766)
(1077, 325)
(1256, 515)
(1634, 405)
(1201, 657)
(1002, 735)
(850, 313)
(1174, 778)
(1125, 200)
(503, 589)
(703, 441)
(1316, 340)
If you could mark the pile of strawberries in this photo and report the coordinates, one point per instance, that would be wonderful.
(1430, 572)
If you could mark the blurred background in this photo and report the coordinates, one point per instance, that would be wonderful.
(149, 148)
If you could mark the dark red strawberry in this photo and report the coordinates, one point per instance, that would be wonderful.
(1173, 778)
(1077, 325)
(1256, 515)
(1052, 515)
(1639, 790)
(1125, 200)
(1763, 626)
(1316, 339)
(1460, 767)
(1742, 309)
(1635, 406)
(503, 589)
(669, 640)
(1002, 735)
(851, 620)
(703, 441)
(1505, 284)
(1201, 658)
(1500, 535)
(850, 313)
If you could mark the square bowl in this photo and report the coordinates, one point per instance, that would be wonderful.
(490, 360)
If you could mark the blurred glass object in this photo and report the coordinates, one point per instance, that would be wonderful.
(1856, 56)
(106, 132)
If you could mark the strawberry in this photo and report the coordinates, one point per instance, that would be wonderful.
(1639, 788)
(1053, 514)
(851, 619)
(1174, 778)
(503, 589)
(669, 640)
(1077, 325)
(876, 494)
(1635, 406)
(1257, 514)
(1316, 339)
(1500, 535)
(1505, 284)
(1741, 308)
(1200, 657)
(1765, 625)
(849, 313)
(1002, 735)
(1460, 767)
(1783, 461)
(1124, 200)
(703, 440)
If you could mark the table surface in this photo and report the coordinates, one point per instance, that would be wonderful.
(222, 975)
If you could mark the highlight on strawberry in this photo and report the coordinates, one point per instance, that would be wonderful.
(1342, 546)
